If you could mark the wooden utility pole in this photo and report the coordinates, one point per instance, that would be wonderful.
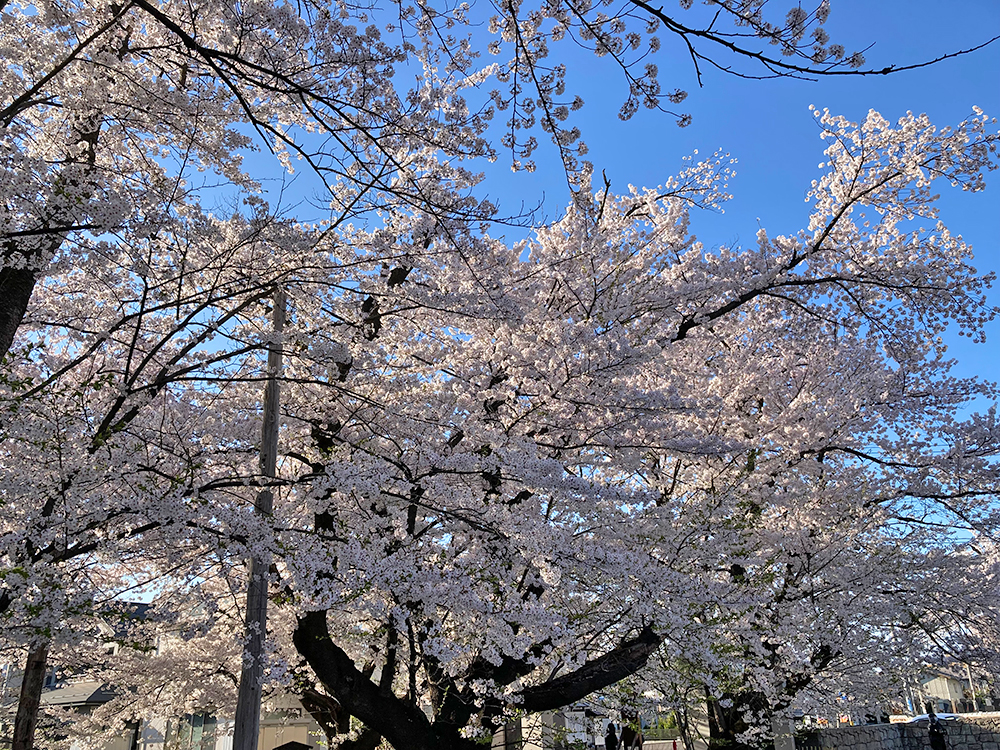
(972, 688)
(247, 724)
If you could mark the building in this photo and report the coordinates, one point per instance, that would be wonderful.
(950, 689)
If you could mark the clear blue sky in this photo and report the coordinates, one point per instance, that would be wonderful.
(768, 126)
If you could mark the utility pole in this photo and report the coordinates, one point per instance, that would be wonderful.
(972, 688)
(247, 723)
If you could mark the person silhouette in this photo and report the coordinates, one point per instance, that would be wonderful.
(611, 739)
(935, 730)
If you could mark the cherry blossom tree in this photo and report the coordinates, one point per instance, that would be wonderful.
(649, 433)
(837, 619)
(92, 410)
(885, 567)
(508, 474)
(109, 102)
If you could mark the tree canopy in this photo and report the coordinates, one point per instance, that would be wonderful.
(509, 474)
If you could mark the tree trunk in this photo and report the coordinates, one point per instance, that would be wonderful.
(683, 714)
(400, 722)
(328, 713)
(744, 712)
(406, 727)
(35, 668)
(16, 286)
(623, 661)
(40, 243)
(726, 723)
(367, 739)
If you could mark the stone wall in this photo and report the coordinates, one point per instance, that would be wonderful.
(971, 732)
(869, 737)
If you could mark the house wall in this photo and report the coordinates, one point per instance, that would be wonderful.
(943, 688)
(275, 729)
(537, 731)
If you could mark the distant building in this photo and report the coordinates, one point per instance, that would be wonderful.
(948, 689)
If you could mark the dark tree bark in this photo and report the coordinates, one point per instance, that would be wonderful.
(403, 724)
(38, 244)
(336, 722)
(26, 719)
(628, 658)
(726, 723)
(367, 739)
(326, 712)
(16, 286)
(406, 727)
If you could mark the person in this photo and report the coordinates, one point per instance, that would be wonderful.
(611, 739)
(935, 729)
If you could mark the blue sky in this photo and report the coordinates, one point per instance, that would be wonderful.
(768, 127)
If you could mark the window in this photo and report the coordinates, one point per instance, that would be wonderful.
(193, 732)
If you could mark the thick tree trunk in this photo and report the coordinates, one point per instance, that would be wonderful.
(367, 739)
(406, 727)
(751, 708)
(26, 719)
(326, 712)
(727, 723)
(16, 286)
(37, 244)
(626, 659)
(401, 723)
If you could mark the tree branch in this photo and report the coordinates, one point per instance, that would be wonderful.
(622, 661)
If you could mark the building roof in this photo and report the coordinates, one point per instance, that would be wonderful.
(78, 694)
